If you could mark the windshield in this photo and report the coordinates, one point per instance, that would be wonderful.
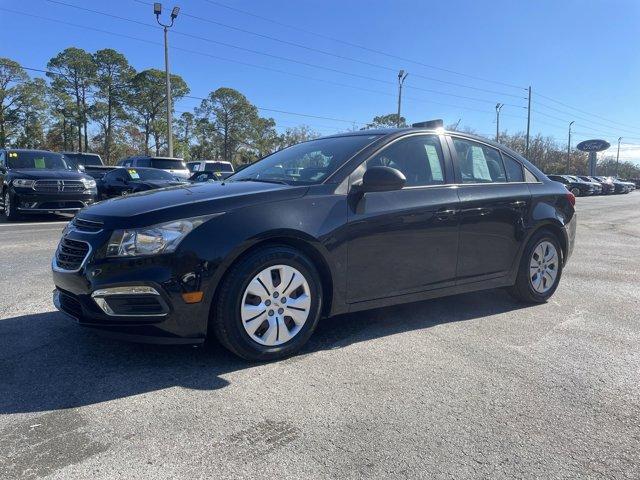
(38, 161)
(168, 164)
(150, 174)
(306, 163)
(84, 159)
(218, 167)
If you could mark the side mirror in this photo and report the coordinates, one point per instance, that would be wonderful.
(382, 179)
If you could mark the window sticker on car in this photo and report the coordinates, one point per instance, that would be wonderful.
(133, 174)
(39, 162)
(13, 154)
(480, 168)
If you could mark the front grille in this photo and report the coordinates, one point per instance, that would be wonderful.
(71, 253)
(70, 304)
(55, 186)
(83, 225)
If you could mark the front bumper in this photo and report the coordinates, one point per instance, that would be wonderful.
(87, 295)
(31, 202)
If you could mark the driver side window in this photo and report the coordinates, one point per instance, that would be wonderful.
(418, 157)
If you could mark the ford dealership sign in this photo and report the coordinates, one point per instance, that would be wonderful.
(593, 145)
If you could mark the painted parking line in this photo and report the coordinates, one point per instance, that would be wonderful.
(60, 223)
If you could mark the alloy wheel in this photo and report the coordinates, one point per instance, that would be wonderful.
(543, 267)
(275, 305)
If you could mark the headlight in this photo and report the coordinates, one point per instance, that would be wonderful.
(89, 183)
(153, 240)
(23, 183)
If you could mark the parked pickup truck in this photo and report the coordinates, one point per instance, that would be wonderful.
(89, 163)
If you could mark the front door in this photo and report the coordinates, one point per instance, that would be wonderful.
(404, 241)
(494, 202)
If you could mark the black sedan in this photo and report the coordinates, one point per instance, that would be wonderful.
(123, 181)
(366, 219)
(575, 185)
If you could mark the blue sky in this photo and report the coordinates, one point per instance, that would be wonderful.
(583, 54)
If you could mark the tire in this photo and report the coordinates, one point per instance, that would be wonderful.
(10, 211)
(262, 337)
(576, 191)
(524, 289)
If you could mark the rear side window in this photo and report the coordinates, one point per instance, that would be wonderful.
(513, 168)
(479, 163)
(143, 162)
(530, 177)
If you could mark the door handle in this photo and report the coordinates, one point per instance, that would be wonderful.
(445, 214)
(518, 204)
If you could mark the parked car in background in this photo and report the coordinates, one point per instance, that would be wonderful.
(175, 166)
(370, 219)
(89, 163)
(576, 186)
(620, 186)
(199, 177)
(221, 168)
(125, 180)
(607, 186)
(597, 185)
(39, 181)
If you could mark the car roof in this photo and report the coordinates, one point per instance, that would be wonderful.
(29, 150)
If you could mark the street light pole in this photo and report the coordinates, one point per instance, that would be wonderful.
(569, 148)
(618, 156)
(401, 77)
(498, 108)
(157, 10)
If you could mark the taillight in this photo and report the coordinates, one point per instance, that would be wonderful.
(572, 199)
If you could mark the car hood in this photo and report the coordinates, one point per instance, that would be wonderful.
(37, 174)
(159, 183)
(190, 200)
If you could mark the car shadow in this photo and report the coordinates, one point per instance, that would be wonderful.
(32, 218)
(49, 363)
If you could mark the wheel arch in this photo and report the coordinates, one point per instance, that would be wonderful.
(557, 229)
(297, 240)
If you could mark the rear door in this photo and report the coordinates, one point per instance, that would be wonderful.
(494, 202)
(404, 241)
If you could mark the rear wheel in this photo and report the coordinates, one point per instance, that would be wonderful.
(10, 210)
(540, 269)
(269, 304)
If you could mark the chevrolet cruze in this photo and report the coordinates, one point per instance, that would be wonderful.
(338, 224)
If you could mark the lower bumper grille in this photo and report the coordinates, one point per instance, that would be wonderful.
(70, 304)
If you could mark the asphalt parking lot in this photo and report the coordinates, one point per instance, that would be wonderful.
(473, 386)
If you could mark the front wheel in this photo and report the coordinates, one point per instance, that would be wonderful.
(540, 269)
(10, 207)
(268, 305)
(575, 191)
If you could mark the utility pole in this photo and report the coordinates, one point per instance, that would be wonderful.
(498, 108)
(157, 10)
(618, 156)
(528, 124)
(401, 77)
(569, 148)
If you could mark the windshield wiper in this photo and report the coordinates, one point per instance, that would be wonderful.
(264, 180)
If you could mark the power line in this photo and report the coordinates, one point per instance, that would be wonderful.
(583, 111)
(278, 57)
(325, 52)
(195, 52)
(372, 50)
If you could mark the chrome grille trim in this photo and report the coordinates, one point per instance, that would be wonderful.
(59, 186)
(69, 254)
